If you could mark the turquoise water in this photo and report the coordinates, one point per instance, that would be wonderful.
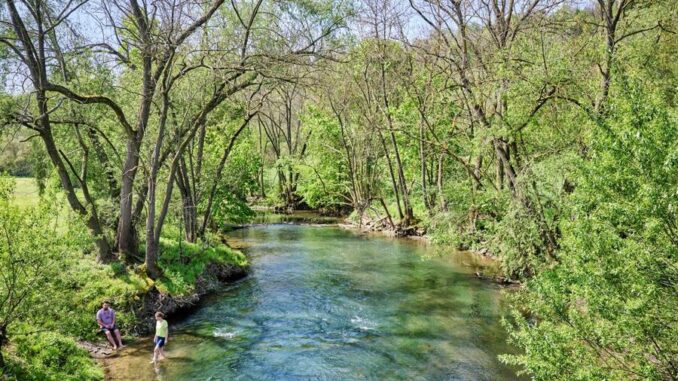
(324, 303)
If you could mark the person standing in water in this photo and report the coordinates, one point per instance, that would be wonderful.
(161, 337)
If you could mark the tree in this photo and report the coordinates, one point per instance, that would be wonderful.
(606, 311)
(247, 67)
(288, 139)
(30, 248)
(30, 39)
(159, 48)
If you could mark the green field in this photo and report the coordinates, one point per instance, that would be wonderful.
(26, 192)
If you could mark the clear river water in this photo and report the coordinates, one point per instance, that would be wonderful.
(325, 303)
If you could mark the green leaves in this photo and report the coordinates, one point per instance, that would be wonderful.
(610, 302)
(53, 356)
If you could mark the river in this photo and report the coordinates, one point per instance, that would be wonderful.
(324, 303)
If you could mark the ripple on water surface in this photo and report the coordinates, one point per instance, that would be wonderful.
(327, 304)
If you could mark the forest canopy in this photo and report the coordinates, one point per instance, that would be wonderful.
(543, 133)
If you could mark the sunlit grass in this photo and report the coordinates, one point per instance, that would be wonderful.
(26, 193)
(182, 262)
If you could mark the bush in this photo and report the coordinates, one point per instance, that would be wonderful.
(606, 310)
(468, 217)
(52, 356)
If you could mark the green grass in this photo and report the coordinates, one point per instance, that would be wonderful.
(89, 283)
(26, 193)
(84, 284)
(49, 351)
(50, 355)
(182, 262)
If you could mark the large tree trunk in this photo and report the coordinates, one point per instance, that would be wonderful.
(262, 183)
(476, 171)
(152, 238)
(504, 160)
(291, 189)
(409, 215)
(422, 162)
(153, 232)
(388, 215)
(189, 212)
(151, 258)
(499, 174)
(396, 192)
(262, 153)
(439, 182)
(127, 245)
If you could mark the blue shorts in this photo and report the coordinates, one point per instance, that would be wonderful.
(111, 330)
(159, 342)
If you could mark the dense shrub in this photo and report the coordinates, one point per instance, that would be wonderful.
(47, 356)
(606, 310)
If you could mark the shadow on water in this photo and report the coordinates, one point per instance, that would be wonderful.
(324, 303)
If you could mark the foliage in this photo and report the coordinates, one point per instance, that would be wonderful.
(239, 178)
(182, 262)
(51, 356)
(538, 131)
(34, 251)
(64, 286)
(30, 246)
(607, 309)
(324, 181)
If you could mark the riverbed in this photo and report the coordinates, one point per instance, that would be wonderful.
(324, 303)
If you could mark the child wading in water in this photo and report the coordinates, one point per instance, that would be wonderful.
(161, 337)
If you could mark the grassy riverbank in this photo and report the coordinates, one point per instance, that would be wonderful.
(62, 285)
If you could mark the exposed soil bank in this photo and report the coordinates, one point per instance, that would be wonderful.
(383, 225)
(213, 277)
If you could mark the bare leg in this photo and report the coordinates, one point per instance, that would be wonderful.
(155, 356)
(110, 339)
(162, 353)
(117, 335)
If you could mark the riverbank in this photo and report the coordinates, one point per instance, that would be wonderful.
(325, 302)
(213, 278)
(191, 273)
(68, 345)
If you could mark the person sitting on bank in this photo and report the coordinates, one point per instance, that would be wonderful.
(106, 321)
